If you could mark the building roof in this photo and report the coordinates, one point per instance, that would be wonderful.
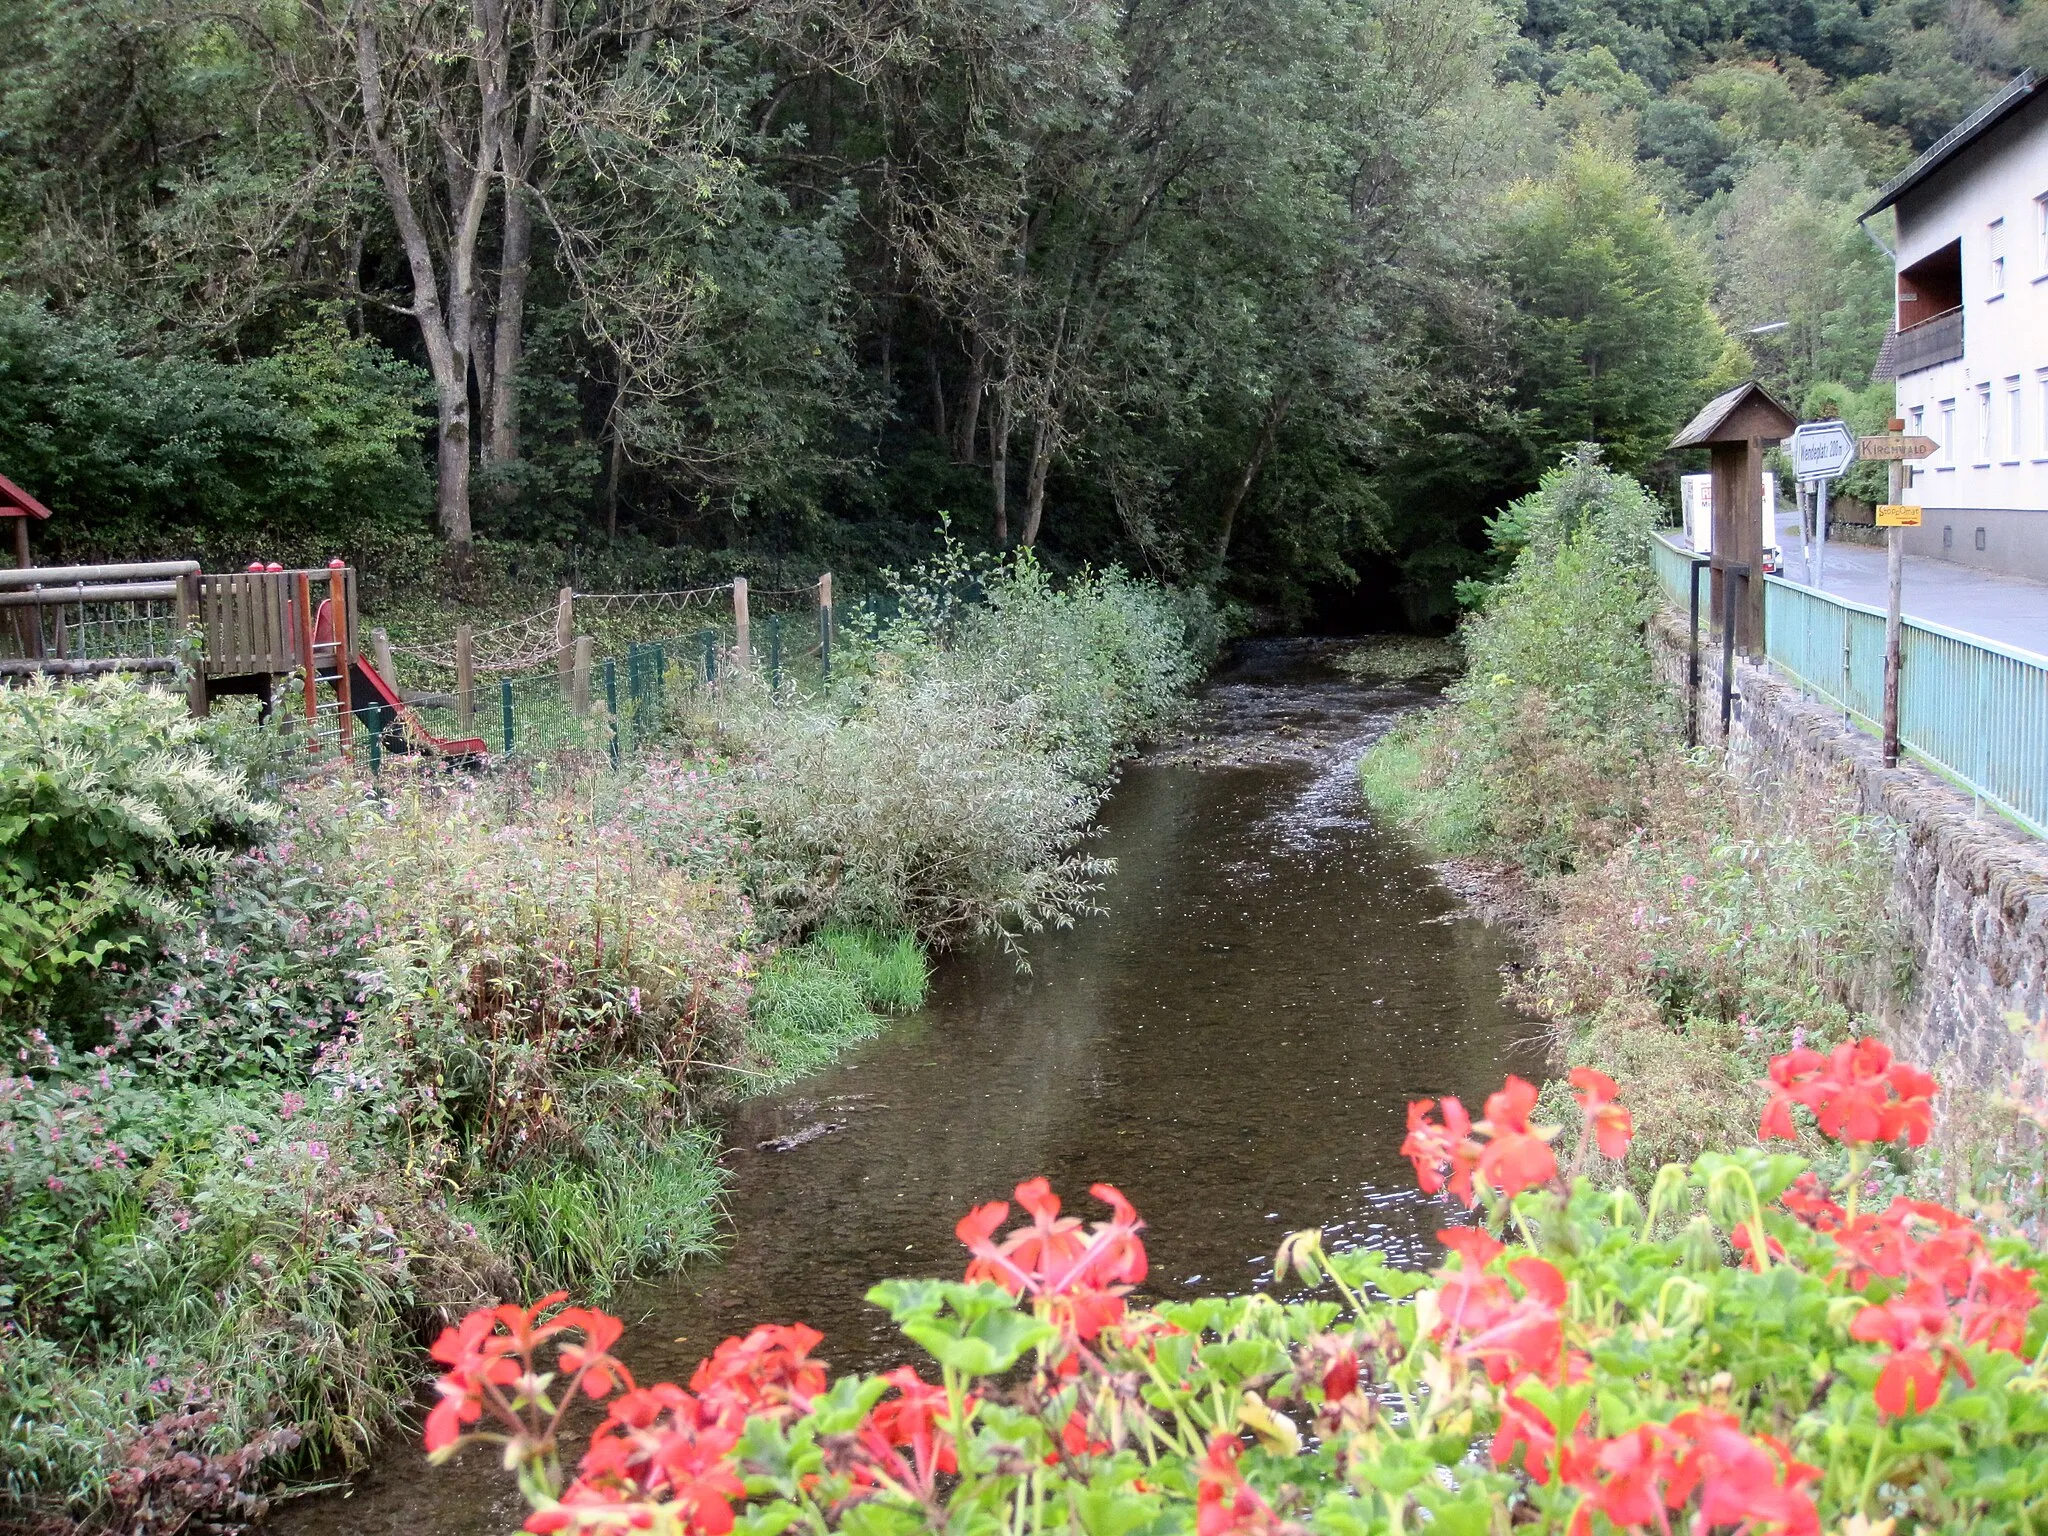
(1708, 426)
(2017, 93)
(15, 502)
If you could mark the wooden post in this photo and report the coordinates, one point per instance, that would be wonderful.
(189, 649)
(304, 598)
(465, 677)
(344, 653)
(1895, 576)
(21, 554)
(825, 624)
(380, 647)
(742, 644)
(565, 636)
(579, 677)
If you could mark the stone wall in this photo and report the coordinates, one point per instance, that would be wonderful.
(1970, 888)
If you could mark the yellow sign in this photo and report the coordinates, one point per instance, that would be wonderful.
(1892, 515)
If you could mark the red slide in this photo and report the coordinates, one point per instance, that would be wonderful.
(367, 684)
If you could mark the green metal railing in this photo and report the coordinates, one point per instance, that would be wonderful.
(1673, 565)
(1973, 709)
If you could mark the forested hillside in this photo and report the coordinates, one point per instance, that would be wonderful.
(1288, 293)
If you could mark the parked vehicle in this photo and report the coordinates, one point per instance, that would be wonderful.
(1696, 503)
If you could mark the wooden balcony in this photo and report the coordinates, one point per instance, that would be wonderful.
(1938, 339)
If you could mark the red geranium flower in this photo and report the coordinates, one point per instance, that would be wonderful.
(767, 1372)
(1225, 1504)
(1444, 1155)
(1077, 1277)
(1858, 1095)
(1610, 1126)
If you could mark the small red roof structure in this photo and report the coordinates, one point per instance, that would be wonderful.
(17, 503)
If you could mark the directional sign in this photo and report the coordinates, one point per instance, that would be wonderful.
(1892, 515)
(1821, 450)
(1895, 445)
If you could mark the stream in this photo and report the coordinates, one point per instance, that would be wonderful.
(1233, 1043)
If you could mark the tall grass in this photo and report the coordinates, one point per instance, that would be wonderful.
(588, 1226)
(815, 1000)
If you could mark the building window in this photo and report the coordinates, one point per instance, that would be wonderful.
(2041, 234)
(2041, 417)
(1994, 254)
(2015, 420)
(1948, 433)
(1985, 435)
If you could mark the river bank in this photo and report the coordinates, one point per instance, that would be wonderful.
(1233, 1043)
(1689, 916)
(316, 1066)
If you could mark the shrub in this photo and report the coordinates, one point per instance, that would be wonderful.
(1748, 1349)
(1723, 931)
(946, 784)
(536, 964)
(1538, 753)
(115, 808)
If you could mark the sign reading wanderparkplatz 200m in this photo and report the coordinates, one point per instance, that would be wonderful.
(1821, 450)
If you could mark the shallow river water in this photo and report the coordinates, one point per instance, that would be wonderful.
(1233, 1043)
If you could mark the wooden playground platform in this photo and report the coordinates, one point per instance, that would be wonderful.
(246, 632)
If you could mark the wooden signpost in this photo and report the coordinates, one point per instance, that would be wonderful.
(1896, 449)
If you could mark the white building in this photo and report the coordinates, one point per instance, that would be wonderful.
(1971, 351)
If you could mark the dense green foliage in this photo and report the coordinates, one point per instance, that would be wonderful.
(114, 807)
(1291, 294)
(291, 1079)
(1538, 753)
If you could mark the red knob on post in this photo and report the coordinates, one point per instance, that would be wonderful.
(255, 565)
(337, 565)
(273, 566)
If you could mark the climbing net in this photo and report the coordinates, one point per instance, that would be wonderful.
(617, 620)
(513, 646)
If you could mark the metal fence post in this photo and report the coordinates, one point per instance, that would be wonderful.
(775, 651)
(1730, 575)
(611, 703)
(505, 702)
(374, 719)
(709, 640)
(1692, 706)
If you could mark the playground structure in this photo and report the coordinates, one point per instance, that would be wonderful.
(239, 632)
(291, 638)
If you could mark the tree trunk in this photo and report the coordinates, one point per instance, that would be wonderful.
(1034, 483)
(967, 421)
(999, 463)
(1269, 431)
(445, 317)
(515, 256)
(938, 382)
(501, 438)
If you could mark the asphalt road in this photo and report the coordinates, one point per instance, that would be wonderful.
(2002, 608)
